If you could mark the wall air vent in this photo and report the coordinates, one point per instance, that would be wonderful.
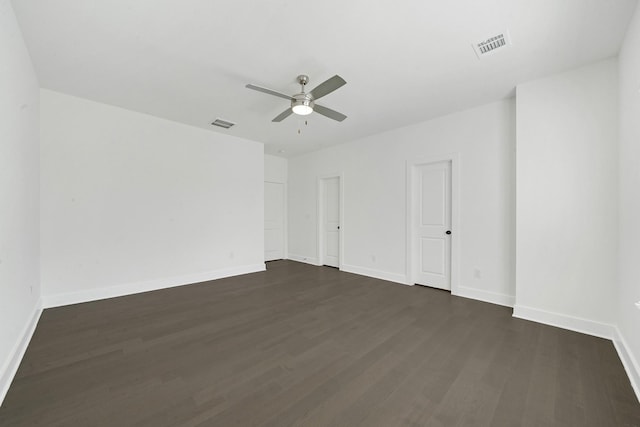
(490, 45)
(222, 123)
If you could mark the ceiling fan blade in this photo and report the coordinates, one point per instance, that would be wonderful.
(280, 117)
(269, 91)
(328, 112)
(327, 87)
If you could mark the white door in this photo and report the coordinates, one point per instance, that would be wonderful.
(331, 216)
(432, 225)
(273, 221)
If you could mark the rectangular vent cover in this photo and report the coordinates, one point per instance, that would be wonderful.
(222, 123)
(490, 45)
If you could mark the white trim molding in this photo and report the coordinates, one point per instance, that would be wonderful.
(376, 274)
(305, 259)
(486, 296)
(10, 368)
(577, 324)
(630, 363)
(58, 300)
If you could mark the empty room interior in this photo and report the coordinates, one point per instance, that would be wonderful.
(319, 213)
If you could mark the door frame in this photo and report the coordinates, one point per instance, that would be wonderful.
(285, 227)
(321, 179)
(411, 166)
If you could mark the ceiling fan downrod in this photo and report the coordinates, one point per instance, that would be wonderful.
(303, 80)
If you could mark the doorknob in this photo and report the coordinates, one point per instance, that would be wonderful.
(448, 232)
(338, 227)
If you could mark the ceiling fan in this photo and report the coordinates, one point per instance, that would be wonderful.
(304, 103)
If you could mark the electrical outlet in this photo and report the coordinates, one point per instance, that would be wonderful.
(638, 305)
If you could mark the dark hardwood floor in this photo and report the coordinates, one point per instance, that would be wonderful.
(300, 345)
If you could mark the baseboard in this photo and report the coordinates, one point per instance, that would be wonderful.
(57, 300)
(302, 258)
(17, 352)
(486, 296)
(377, 274)
(630, 363)
(577, 324)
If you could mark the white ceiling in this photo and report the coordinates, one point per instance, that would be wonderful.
(404, 61)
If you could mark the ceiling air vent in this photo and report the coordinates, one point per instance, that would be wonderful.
(222, 123)
(490, 45)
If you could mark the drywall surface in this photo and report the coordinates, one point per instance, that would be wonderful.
(133, 202)
(374, 178)
(19, 196)
(628, 316)
(275, 169)
(567, 213)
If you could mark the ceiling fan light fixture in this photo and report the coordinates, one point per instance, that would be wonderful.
(302, 106)
(302, 110)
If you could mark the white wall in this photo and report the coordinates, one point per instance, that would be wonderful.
(374, 172)
(628, 316)
(567, 159)
(131, 202)
(19, 196)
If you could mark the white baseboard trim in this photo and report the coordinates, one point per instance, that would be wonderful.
(486, 296)
(577, 324)
(377, 274)
(57, 300)
(10, 368)
(630, 363)
(302, 258)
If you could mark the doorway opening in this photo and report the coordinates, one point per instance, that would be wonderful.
(274, 221)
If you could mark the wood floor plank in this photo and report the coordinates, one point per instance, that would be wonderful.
(299, 345)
